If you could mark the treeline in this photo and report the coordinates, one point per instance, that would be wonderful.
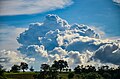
(79, 72)
(103, 72)
(59, 67)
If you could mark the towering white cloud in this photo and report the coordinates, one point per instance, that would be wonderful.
(55, 39)
(18, 7)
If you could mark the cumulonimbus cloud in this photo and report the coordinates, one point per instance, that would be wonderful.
(18, 7)
(55, 39)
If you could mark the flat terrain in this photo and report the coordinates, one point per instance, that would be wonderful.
(28, 75)
(21, 75)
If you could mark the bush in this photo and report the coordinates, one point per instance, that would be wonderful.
(93, 75)
(106, 75)
(70, 75)
(2, 76)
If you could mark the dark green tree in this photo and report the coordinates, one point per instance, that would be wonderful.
(60, 64)
(31, 69)
(15, 68)
(45, 67)
(2, 71)
(2, 76)
(77, 69)
(90, 68)
(24, 66)
(1, 66)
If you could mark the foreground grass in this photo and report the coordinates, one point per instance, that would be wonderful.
(29, 75)
(62, 75)
(11, 73)
(20, 75)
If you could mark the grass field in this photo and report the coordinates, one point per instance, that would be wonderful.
(20, 75)
(63, 75)
(29, 75)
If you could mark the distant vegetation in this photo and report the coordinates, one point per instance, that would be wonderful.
(60, 70)
(23, 66)
(2, 76)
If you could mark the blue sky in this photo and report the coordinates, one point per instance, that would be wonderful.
(15, 16)
(99, 13)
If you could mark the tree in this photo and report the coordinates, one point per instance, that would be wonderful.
(24, 66)
(2, 76)
(77, 69)
(1, 70)
(66, 69)
(15, 68)
(90, 68)
(45, 67)
(31, 69)
(60, 64)
(1, 66)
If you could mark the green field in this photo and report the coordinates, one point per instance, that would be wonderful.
(20, 75)
(113, 74)
(29, 75)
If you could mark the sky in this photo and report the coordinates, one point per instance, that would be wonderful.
(16, 16)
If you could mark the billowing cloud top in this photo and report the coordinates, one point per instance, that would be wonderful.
(18, 7)
(55, 39)
(54, 32)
